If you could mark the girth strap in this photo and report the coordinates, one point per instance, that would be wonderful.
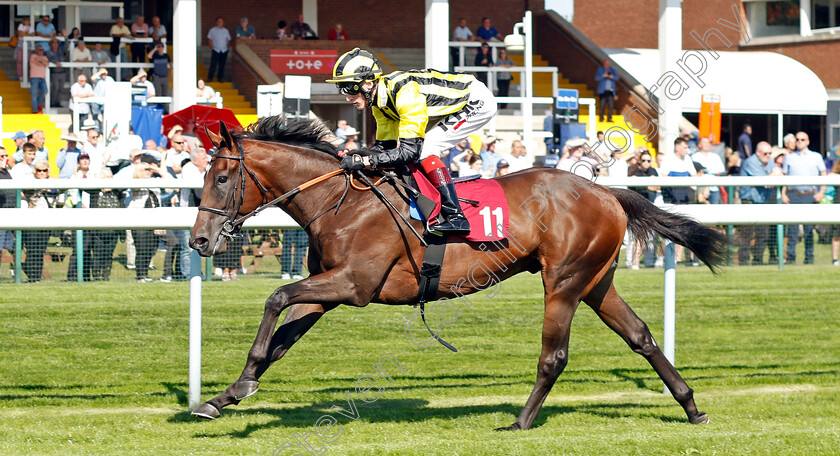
(430, 280)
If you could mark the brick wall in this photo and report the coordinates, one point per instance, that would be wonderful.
(561, 50)
(383, 24)
(634, 24)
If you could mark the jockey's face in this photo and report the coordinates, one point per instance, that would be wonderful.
(358, 99)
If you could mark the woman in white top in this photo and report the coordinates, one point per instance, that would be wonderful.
(24, 29)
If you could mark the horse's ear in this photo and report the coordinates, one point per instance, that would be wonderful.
(214, 138)
(227, 140)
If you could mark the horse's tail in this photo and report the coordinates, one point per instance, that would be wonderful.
(644, 218)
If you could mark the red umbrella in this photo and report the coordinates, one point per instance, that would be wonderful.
(201, 115)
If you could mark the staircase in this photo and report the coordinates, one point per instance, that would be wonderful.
(232, 98)
(16, 100)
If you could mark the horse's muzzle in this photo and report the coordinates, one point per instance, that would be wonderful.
(201, 245)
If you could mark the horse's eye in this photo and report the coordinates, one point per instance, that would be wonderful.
(222, 179)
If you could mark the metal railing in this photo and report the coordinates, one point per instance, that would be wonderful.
(117, 64)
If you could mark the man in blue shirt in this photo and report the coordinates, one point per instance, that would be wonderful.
(607, 78)
(245, 30)
(44, 29)
(68, 158)
(218, 38)
(489, 157)
(745, 148)
(487, 32)
(758, 164)
(802, 162)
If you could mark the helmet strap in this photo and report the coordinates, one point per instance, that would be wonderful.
(368, 94)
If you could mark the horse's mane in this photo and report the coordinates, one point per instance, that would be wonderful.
(309, 133)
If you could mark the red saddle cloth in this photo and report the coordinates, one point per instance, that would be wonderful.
(489, 220)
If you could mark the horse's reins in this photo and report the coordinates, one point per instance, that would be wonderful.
(233, 224)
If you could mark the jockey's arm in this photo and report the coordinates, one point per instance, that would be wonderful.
(410, 129)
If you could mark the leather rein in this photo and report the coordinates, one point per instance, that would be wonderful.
(234, 224)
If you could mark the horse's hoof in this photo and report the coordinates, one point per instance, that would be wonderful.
(512, 427)
(206, 411)
(700, 418)
(243, 389)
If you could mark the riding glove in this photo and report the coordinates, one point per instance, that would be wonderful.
(352, 162)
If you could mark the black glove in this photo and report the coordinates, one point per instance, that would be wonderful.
(352, 162)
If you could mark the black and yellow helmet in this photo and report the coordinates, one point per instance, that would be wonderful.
(353, 69)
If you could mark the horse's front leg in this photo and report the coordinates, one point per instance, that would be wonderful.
(302, 315)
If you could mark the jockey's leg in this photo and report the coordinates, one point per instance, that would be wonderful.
(480, 108)
(454, 220)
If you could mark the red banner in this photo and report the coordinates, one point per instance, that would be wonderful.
(288, 61)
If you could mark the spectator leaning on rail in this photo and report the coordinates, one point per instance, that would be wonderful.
(244, 30)
(712, 163)
(416, 112)
(79, 91)
(678, 164)
(36, 240)
(758, 164)
(461, 33)
(802, 162)
(7, 201)
(487, 32)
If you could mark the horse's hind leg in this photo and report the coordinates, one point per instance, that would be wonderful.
(620, 318)
(298, 320)
(555, 354)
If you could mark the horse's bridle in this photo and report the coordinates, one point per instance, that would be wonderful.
(233, 224)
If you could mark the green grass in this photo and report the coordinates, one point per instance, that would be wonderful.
(101, 369)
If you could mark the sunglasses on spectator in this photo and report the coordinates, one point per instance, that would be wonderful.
(645, 161)
(41, 170)
(177, 142)
(801, 139)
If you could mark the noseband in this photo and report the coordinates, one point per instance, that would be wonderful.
(233, 225)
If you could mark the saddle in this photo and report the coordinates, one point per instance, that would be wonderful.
(483, 202)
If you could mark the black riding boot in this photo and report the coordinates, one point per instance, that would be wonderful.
(454, 220)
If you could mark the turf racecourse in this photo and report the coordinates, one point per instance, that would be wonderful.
(101, 369)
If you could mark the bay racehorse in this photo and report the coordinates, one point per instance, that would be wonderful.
(363, 253)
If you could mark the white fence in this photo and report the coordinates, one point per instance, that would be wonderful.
(184, 218)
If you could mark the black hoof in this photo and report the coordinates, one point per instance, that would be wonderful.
(206, 411)
(512, 427)
(245, 388)
(700, 418)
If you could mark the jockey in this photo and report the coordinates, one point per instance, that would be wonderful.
(428, 111)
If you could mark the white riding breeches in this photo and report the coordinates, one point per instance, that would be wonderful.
(454, 128)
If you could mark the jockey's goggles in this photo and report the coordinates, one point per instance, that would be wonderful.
(350, 88)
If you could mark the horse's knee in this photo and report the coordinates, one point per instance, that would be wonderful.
(554, 364)
(278, 301)
(642, 342)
